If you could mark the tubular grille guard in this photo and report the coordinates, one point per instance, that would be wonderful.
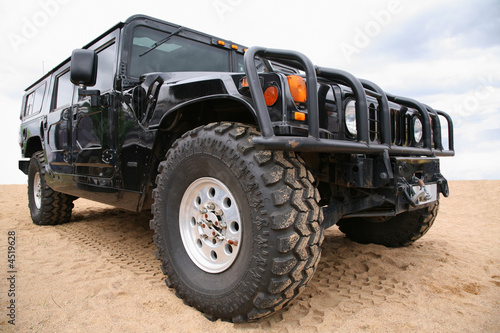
(432, 141)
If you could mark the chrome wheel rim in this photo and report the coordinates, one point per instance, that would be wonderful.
(37, 190)
(210, 225)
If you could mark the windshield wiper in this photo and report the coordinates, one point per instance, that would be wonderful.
(155, 45)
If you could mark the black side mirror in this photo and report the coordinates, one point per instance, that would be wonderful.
(84, 67)
(84, 74)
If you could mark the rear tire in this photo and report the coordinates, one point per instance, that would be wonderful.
(47, 207)
(238, 230)
(400, 230)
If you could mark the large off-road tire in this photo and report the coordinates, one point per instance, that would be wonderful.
(400, 230)
(47, 207)
(238, 230)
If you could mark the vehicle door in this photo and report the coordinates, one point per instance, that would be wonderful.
(58, 123)
(93, 148)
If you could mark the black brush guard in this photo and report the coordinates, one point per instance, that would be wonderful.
(432, 144)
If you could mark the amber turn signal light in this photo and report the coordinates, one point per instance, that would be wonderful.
(244, 83)
(299, 116)
(297, 86)
(271, 95)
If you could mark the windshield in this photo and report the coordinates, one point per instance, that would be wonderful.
(241, 67)
(261, 68)
(178, 54)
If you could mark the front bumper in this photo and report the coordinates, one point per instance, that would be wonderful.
(371, 188)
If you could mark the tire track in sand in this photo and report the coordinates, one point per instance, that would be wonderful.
(120, 237)
(352, 277)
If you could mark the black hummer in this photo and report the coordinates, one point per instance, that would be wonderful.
(243, 155)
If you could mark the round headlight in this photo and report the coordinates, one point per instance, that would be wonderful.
(418, 130)
(350, 117)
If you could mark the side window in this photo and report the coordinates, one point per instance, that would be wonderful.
(28, 109)
(34, 101)
(64, 92)
(106, 67)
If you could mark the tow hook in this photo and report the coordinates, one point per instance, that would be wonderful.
(423, 194)
(413, 198)
(405, 188)
(442, 185)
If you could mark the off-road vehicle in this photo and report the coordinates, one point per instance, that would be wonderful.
(244, 157)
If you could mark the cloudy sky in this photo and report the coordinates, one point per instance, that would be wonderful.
(445, 53)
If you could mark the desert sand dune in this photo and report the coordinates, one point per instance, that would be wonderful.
(99, 273)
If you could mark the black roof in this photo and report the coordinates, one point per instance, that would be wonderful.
(133, 18)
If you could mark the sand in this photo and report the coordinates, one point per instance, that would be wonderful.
(98, 273)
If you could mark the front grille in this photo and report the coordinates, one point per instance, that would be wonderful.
(400, 127)
(373, 118)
